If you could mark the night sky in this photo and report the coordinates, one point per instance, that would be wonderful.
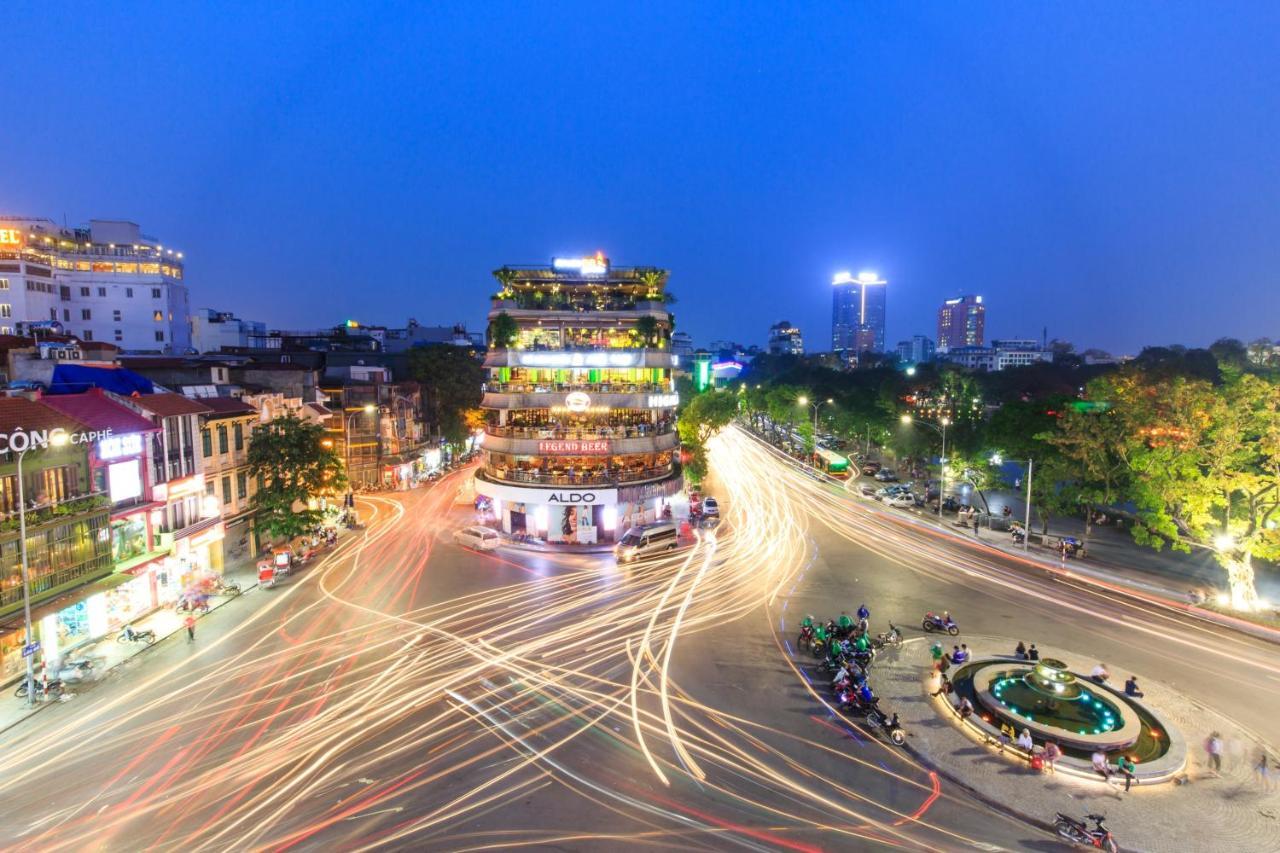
(1109, 170)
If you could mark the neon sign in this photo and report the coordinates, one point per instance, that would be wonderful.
(577, 401)
(10, 237)
(599, 265)
(577, 359)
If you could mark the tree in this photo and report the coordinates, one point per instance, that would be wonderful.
(502, 331)
(1203, 467)
(291, 463)
(451, 378)
(700, 419)
(647, 328)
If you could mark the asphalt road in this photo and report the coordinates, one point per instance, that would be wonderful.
(407, 694)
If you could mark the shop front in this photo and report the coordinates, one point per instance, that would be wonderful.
(579, 516)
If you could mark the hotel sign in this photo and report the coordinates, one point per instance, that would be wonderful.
(574, 448)
(10, 237)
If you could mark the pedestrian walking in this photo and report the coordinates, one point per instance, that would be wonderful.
(1126, 766)
(976, 524)
(1033, 653)
(1262, 769)
(191, 627)
(1213, 748)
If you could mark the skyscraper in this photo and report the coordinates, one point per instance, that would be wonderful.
(961, 323)
(857, 313)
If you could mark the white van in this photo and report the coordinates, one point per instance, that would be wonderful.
(645, 541)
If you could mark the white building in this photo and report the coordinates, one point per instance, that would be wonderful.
(105, 282)
(1019, 353)
(212, 330)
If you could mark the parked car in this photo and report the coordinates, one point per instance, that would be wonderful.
(479, 538)
(901, 500)
(886, 475)
(870, 468)
(710, 506)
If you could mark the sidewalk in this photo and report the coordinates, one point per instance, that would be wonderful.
(107, 653)
(1228, 812)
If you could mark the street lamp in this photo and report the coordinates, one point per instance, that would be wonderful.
(804, 401)
(57, 439)
(366, 409)
(941, 429)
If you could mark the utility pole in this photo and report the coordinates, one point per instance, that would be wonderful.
(1026, 530)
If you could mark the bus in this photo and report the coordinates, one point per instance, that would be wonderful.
(831, 463)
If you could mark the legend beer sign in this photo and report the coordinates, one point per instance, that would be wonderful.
(598, 447)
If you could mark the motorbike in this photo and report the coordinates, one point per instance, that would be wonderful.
(228, 588)
(889, 725)
(1079, 832)
(934, 622)
(805, 641)
(54, 688)
(892, 637)
(146, 635)
(74, 669)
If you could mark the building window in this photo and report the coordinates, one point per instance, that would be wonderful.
(128, 291)
(210, 487)
(242, 485)
(66, 315)
(119, 335)
(226, 490)
(88, 334)
(86, 314)
(160, 337)
(158, 316)
(155, 293)
(84, 291)
(102, 291)
(238, 431)
(4, 284)
(206, 441)
(115, 315)
(222, 438)
(53, 314)
(6, 310)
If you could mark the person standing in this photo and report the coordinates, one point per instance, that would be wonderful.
(191, 627)
(976, 524)
(1213, 748)
(1126, 766)
(1051, 755)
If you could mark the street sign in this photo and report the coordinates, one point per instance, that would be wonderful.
(30, 649)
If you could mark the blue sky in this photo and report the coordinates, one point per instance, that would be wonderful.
(1108, 170)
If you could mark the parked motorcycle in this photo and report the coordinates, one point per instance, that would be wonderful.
(889, 725)
(54, 688)
(934, 622)
(892, 637)
(1079, 832)
(128, 635)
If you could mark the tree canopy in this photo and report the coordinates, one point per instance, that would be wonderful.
(291, 463)
(451, 378)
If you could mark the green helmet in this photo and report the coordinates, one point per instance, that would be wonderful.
(806, 622)
(845, 621)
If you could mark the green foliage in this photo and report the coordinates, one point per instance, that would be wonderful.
(291, 465)
(647, 328)
(502, 331)
(700, 418)
(451, 379)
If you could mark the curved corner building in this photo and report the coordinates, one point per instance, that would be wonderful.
(580, 441)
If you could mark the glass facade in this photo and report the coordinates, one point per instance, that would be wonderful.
(75, 551)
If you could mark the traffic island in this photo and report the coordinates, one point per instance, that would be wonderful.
(1177, 803)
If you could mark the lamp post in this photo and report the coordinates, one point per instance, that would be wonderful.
(57, 439)
(804, 401)
(941, 429)
(367, 409)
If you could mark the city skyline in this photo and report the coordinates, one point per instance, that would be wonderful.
(328, 165)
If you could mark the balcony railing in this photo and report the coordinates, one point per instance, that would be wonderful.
(593, 477)
(592, 434)
(45, 513)
(591, 388)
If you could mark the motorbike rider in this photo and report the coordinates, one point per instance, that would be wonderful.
(863, 612)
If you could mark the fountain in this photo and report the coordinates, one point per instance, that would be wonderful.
(1050, 701)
